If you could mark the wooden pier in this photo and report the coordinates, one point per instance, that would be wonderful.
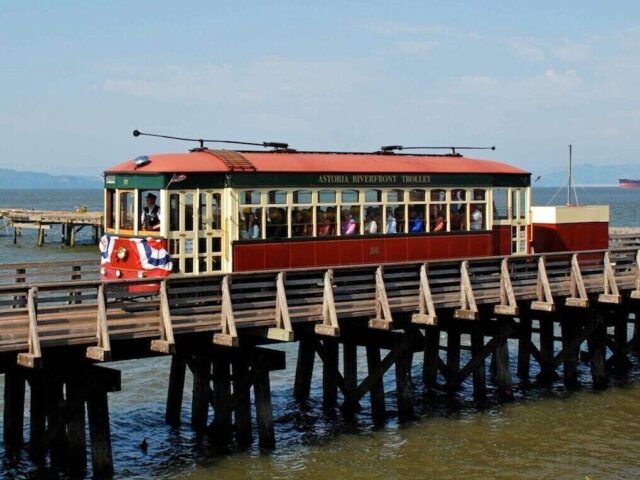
(555, 310)
(69, 223)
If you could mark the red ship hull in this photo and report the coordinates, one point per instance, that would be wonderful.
(627, 183)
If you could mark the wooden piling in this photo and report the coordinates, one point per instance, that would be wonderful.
(404, 384)
(524, 343)
(37, 416)
(14, 394)
(175, 390)
(56, 432)
(597, 350)
(350, 373)
(201, 371)
(431, 359)
(571, 348)
(502, 375)
(264, 409)
(330, 373)
(479, 373)
(241, 393)
(620, 341)
(100, 435)
(76, 428)
(453, 354)
(304, 368)
(376, 392)
(221, 398)
(547, 349)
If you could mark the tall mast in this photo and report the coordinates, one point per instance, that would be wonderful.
(570, 181)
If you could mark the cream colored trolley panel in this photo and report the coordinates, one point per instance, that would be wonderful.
(231, 226)
(209, 220)
(183, 236)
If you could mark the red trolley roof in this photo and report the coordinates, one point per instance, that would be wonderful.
(224, 161)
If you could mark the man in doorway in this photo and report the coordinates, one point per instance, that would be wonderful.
(150, 219)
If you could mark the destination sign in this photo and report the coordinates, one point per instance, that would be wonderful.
(373, 179)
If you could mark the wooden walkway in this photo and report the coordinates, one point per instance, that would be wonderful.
(35, 316)
(70, 223)
(59, 323)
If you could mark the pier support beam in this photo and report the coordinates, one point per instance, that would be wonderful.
(304, 368)
(14, 394)
(524, 343)
(431, 359)
(597, 351)
(374, 367)
(547, 349)
(176, 390)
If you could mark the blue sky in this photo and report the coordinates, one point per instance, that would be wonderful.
(78, 77)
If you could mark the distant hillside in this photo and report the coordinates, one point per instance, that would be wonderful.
(589, 175)
(17, 179)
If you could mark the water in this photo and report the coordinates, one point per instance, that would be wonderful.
(546, 433)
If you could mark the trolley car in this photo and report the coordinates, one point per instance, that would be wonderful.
(246, 210)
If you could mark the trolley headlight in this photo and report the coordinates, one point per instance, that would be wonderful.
(103, 271)
(140, 274)
(122, 253)
(118, 273)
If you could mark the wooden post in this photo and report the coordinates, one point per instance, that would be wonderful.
(431, 356)
(571, 347)
(40, 236)
(100, 435)
(635, 341)
(479, 373)
(55, 407)
(72, 242)
(350, 369)
(264, 409)
(175, 390)
(597, 350)
(547, 372)
(524, 344)
(14, 389)
(502, 375)
(241, 391)
(330, 373)
(37, 415)
(622, 362)
(304, 369)
(377, 389)
(76, 428)
(404, 385)
(453, 354)
(201, 370)
(221, 398)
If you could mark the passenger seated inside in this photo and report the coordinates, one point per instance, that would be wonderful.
(252, 230)
(325, 226)
(299, 227)
(439, 225)
(391, 222)
(371, 225)
(349, 225)
(416, 224)
(477, 217)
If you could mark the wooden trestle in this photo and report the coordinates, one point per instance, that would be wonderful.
(506, 309)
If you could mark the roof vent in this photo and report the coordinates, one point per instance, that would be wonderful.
(141, 161)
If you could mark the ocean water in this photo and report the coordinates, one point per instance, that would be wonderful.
(546, 433)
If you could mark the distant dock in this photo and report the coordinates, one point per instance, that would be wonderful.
(70, 223)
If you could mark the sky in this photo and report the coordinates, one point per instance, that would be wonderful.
(77, 77)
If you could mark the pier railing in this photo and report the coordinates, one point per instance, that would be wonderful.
(86, 311)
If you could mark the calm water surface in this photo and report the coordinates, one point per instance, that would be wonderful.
(546, 433)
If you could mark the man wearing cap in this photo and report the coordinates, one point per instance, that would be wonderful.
(150, 219)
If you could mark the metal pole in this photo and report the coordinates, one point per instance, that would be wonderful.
(570, 181)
